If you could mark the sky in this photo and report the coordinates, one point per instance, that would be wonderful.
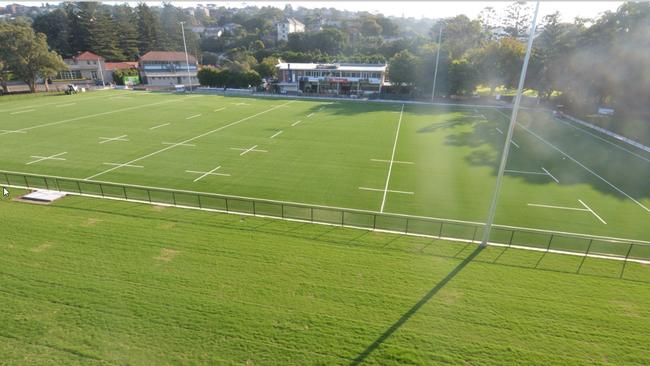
(417, 9)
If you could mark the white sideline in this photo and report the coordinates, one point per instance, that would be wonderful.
(557, 207)
(592, 211)
(392, 158)
(580, 164)
(100, 114)
(41, 158)
(445, 220)
(188, 140)
(163, 125)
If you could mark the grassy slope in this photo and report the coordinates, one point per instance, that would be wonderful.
(100, 282)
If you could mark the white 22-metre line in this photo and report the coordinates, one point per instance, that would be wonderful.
(392, 158)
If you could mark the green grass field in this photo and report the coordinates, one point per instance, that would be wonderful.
(91, 281)
(431, 161)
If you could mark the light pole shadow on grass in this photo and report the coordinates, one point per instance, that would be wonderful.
(414, 309)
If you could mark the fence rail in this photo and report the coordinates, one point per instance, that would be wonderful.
(535, 239)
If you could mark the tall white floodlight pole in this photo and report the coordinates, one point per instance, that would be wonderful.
(101, 72)
(511, 128)
(187, 58)
(435, 73)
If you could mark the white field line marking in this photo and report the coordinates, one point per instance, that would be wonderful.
(580, 164)
(381, 190)
(128, 165)
(514, 143)
(110, 139)
(295, 123)
(475, 110)
(65, 105)
(603, 139)
(41, 158)
(220, 109)
(178, 144)
(12, 131)
(52, 103)
(523, 172)
(446, 220)
(498, 129)
(483, 116)
(276, 134)
(246, 151)
(550, 175)
(25, 111)
(120, 97)
(100, 114)
(194, 116)
(189, 140)
(240, 103)
(309, 115)
(163, 125)
(205, 174)
(392, 159)
(593, 212)
(558, 207)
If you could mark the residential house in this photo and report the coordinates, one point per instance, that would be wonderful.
(165, 68)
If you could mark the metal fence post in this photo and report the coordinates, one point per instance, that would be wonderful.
(174, 198)
(474, 235)
(198, 197)
(586, 255)
(512, 236)
(440, 232)
(549, 243)
(226, 199)
(47, 186)
(149, 195)
(124, 190)
(342, 218)
(26, 183)
(7, 178)
(374, 221)
(57, 184)
(282, 210)
(254, 211)
(625, 261)
(406, 230)
(101, 189)
(79, 187)
(312, 214)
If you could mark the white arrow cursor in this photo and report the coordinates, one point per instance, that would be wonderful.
(5, 192)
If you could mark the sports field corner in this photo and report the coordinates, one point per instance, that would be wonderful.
(107, 281)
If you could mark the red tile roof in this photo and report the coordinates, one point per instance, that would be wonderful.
(165, 56)
(88, 56)
(121, 65)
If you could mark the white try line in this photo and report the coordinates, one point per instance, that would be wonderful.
(381, 190)
(220, 109)
(110, 139)
(66, 105)
(295, 123)
(246, 151)
(41, 158)
(25, 111)
(498, 129)
(178, 144)
(205, 174)
(580, 164)
(163, 125)
(189, 140)
(593, 212)
(557, 207)
(550, 175)
(101, 114)
(276, 134)
(392, 159)
(194, 116)
(127, 165)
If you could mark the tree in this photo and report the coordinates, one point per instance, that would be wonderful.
(26, 54)
(266, 68)
(56, 27)
(127, 31)
(119, 74)
(369, 27)
(388, 27)
(208, 76)
(401, 70)
(148, 27)
(252, 78)
(459, 34)
(463, 77)
(517, 19)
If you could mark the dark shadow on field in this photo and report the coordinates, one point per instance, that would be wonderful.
(352, 108)
(392, 242)
(623, 170)
(409, 313)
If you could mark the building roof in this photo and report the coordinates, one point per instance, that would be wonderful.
(166, 56)
(87, 56)
(120, 65)
(339, 67)
(293, 21)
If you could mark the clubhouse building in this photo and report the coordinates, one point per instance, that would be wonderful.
(337, 79)
(163, 68)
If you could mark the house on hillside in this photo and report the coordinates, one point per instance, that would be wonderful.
(338, 79)
(287, 26)
(167, 68)
(85, 66)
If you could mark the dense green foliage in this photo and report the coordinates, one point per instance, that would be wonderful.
(100, 282)
(119, 74)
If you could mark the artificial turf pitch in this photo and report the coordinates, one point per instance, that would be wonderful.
(98, 282)
(431, 161)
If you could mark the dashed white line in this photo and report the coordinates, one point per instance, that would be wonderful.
(220, 109)
(276, 134)
(194, 116)
(498, 129)
(163, 125)
(295, 123)
(514, 143)
(124, 165)
(25, 111)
